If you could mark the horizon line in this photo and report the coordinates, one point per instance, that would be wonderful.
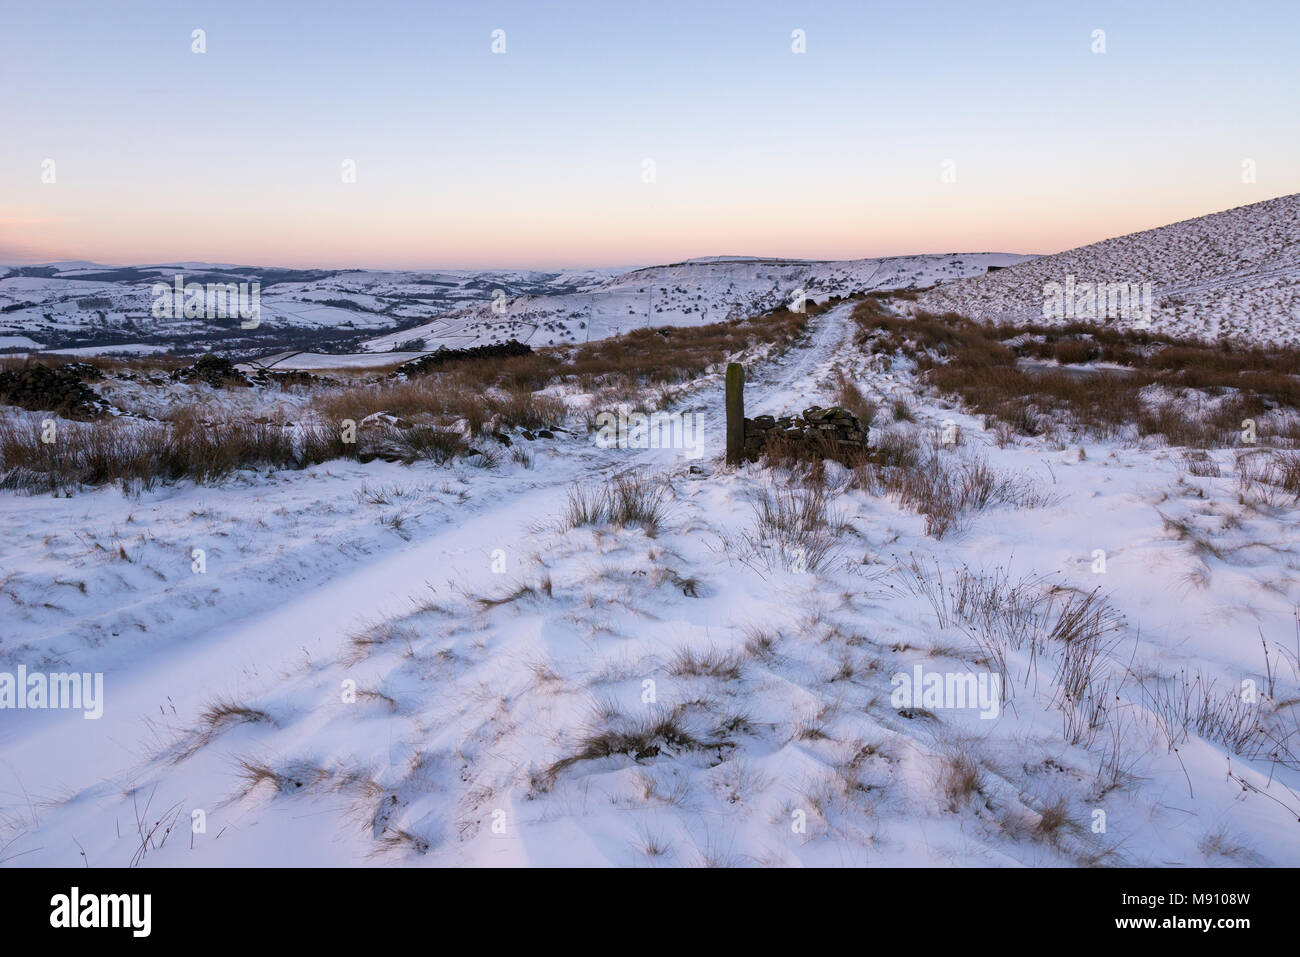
(624, 267)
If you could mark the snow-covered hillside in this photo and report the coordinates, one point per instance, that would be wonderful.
(1230, 274)
(690, 293)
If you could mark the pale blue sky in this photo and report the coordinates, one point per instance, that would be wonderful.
(535, 157)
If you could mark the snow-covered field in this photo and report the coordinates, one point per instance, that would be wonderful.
(316, 361)
(420, 665)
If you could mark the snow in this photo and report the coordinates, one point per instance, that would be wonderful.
(426, 656)
(691, 293)
(465, 706)
(115, 349)
(1234, 273)
(19, 342)
(309, 361)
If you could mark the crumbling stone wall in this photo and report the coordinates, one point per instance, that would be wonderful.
(39, 388)
(834, 433)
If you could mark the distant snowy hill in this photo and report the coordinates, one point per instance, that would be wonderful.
(89, 307)
(1234, 273)
(694, 292)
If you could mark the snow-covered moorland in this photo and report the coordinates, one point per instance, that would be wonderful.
(455, 664)
(1050, 617)
(312, 319)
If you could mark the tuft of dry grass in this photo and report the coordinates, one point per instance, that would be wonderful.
(640, 740)
(213, 719)
(1078, 631)
(225, 712)
(631, 499)
(689, 663)
(794, 526)
(1190, 702)
(942, 486)
(1268, 478)
(961, 776)
(362, 643)
(286, 780)
(849, 396)
(760, 643)
(1053, 821)
(521, 593)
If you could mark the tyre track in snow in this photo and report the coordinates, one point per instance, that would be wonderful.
(792, 382)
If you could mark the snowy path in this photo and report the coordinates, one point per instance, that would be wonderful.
(785, 386)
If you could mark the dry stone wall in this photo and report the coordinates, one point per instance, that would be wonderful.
(834, 433)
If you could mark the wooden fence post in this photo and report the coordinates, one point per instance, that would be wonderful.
(735, 413)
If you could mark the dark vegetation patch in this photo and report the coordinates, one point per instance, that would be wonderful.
(1190, 392)
(436, 360)
(142, 454)
(289, 377)
(216, 371)
(38, 388)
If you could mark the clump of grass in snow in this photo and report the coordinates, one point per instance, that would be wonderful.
(1189, 702)
(944, 487)
(760, 643)
(712, 664)
(396, 839)
(1053, 821)
(630, 499)
(794, 527)
(1269, 479)
(1078, 631)
(544, 587)
(961, 776)
(640, 740)
(213, 719)
(849, 396)
(366, 640)
(223, 712)
(286, 780)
